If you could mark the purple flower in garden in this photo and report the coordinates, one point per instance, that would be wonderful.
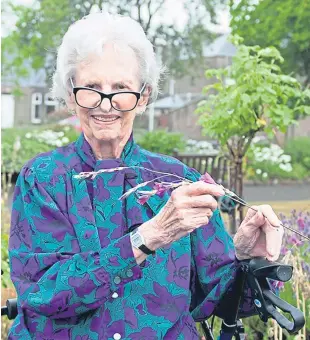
(306, 267)
(301, 223)
(278, 284)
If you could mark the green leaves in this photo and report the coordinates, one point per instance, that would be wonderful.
(280, 23)
(162, 142)
(257, 97)
(40, 28)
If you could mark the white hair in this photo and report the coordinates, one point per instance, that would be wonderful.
(89, 35)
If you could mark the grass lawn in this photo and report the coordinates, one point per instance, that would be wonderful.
(284, 207)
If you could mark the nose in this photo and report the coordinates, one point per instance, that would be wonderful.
(105, 105)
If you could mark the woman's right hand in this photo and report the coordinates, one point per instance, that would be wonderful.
(189, 207)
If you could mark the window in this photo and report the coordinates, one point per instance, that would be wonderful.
(36, 102)
(50, 104)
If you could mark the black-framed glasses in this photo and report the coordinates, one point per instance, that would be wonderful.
(121, 101)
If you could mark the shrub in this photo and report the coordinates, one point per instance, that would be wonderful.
(20, 145)
(163, 142)
(201, 147)
(299, 150)
(267, 162)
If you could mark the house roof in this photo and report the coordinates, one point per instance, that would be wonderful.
(176, 101)
(220, 47)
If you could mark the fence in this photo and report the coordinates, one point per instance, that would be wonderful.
(216, 166)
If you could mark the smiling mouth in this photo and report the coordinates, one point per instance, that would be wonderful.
(105, 118)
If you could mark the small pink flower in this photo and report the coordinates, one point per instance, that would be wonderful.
(206, 178)
(301, 223)
(143, 199)
(160, 189)
(278, 284)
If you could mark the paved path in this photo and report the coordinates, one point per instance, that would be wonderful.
(279, 192)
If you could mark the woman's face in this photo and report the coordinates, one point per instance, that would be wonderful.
(114, 70)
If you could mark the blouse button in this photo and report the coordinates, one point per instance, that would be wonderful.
(129, 273)
(114, 295)
(117, 280)
(117, 336)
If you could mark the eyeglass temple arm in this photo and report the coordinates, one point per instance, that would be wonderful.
(143, 88)
(71, 82)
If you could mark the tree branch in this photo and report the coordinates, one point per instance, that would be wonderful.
(230, 149)
(139, 12)
(248, 143)
(151, 15)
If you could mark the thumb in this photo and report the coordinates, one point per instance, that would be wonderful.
(253, 224)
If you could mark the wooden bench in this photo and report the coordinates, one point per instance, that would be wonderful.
(216, 166)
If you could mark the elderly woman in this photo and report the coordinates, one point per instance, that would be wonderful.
(87, 265)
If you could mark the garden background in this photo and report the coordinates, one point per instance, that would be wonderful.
(260, 95)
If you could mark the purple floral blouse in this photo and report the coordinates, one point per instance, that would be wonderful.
(72, 262)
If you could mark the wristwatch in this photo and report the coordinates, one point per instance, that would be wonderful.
(137, 240)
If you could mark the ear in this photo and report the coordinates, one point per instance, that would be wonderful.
(145, 97)
(71, 104)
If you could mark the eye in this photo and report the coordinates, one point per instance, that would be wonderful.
(121, 86)
(92, 86)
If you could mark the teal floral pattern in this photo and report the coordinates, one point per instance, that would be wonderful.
(72, 262)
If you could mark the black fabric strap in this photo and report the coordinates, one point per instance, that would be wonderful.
(146, 250)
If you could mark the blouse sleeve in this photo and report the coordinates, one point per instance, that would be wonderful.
(50, 278)
(214, 266)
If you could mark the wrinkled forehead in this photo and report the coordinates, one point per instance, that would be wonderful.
(111, 62)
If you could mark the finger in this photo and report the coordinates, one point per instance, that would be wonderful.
(270, 215)
(250, 213)
(202, 188)
(203, 201)
(197, 213)
(274, 236)
(195, 218)
(251, 227)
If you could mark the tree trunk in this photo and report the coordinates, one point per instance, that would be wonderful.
(239, 186)
(236, 185)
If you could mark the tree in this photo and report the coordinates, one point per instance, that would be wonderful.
(257, 96)
(39, 30)
(280, 23)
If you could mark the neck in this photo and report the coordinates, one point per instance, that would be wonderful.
(107, 149)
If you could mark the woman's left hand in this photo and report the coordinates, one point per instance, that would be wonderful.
(260, 234)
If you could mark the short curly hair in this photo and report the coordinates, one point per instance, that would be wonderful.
(89, 35)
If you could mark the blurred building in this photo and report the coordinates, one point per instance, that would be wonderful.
(32, 105)
(174, 109)
(178, 116)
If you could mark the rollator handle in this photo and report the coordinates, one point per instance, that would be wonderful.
(10, 309)
(265, 301)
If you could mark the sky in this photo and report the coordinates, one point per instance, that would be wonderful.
(173, 13)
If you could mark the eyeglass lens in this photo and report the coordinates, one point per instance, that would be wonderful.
(120, 101)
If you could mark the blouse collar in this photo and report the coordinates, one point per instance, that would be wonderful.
(86, 153)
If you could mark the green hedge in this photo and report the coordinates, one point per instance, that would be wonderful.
(299, 149)
(163, 142)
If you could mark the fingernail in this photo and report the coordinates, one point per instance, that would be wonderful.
(272, 251)
(220, 190)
